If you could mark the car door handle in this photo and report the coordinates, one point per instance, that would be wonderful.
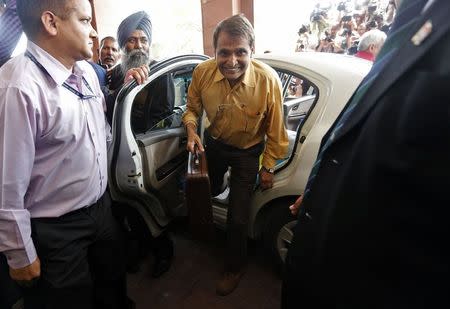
(135, 175)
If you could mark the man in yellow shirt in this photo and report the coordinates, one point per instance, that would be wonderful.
(242, 98)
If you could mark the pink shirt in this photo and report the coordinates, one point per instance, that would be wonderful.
(52, 147)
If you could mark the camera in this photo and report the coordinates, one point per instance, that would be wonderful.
(372, 8)
(303, 29)
(341, 6)
(346, 32)
(346, 18)
(316, 17)
(372, 25)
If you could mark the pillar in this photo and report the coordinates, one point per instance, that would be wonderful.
(213, 11)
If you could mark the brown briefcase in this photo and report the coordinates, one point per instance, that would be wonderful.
(198, 198)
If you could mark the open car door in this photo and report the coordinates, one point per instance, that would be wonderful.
(148, 154)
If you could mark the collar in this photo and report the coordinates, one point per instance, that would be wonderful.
(249, 78)
(365, 55)
(58, 72)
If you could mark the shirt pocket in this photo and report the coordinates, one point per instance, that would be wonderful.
(221, 121)
(254, 121)
(65, 123)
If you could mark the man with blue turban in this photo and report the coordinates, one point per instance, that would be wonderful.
(134, 36)
(137, 21)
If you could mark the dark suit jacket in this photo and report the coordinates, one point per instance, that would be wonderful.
(101, 73)
(377, 234)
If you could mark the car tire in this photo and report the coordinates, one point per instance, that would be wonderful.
(277, 234)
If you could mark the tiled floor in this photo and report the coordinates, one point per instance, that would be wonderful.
(190, 283)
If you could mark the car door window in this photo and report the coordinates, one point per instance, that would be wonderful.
(161, 104)
(299, 94)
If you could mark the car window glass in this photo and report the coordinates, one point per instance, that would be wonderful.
(284, 77)
(299, 96)
(161, 104)
(298, 86)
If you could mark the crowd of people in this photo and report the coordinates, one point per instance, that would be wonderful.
(371, 230)
(347, 28)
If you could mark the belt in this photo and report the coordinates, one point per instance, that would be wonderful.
(217, 143)
(70, 213)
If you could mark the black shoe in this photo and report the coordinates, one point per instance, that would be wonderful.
(161, 266)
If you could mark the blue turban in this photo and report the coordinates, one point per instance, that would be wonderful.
(137, 21)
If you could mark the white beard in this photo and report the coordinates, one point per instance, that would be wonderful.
(134, 59)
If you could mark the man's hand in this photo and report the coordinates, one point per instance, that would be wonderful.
(193, 139)
(296, 206)
(26, 274)
(265, 179)
(140, 74)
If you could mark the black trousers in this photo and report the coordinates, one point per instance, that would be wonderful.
(299, 288)
(139, 240)
(244, 165)
(82, 263)
(295, 292)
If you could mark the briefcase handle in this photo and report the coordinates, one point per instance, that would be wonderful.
(196, 155)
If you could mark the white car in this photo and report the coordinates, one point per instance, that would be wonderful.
(148, 157)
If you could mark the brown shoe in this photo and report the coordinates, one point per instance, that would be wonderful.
(228, 282)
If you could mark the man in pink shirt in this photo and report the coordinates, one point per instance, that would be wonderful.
(56, 226)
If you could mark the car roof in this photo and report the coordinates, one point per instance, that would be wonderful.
(332, 66)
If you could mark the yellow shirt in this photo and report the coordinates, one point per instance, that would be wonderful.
(244, 115)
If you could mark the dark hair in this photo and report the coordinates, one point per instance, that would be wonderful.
(110, 38)
(372, 24)
(236, 26)
(30, 12)
(378, 17)
(346, 18)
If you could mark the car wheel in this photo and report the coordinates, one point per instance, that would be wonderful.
(277, 235)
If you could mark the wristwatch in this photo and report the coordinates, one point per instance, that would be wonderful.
(269, 170)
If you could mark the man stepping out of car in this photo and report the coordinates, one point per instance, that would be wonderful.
(242, 98)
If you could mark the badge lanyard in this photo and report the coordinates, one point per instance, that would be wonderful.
(65, 84)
